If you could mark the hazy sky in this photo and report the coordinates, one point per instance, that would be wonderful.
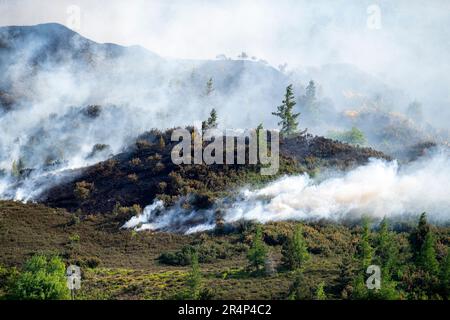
(404, 42)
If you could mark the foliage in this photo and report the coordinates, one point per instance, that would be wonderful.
(386, 250)
(208, 252)
(288, 121)
(444, 276)
(295, 251)
(257, 253)
(418, 236)
(300, 289)
(211, 123)
(42, 279)
(194, 279)
(354, 136)
(83, 189)
(320, 292)
(365, 248)
(427, 256)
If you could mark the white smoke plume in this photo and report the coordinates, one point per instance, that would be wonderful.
(378, 189)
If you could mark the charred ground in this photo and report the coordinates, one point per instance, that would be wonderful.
(145, 171)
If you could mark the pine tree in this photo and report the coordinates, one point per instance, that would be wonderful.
(427, 256)
(257, 253)
(300, 289)
(295, 251)
(417, 237)
(211, 123)
(194, 279)
(444, 277)
(288, 121)
(386, 251)
(366, 250)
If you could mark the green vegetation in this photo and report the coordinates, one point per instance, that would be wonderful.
(295, 251)
(354, 136)
(41, 279)
(120, 264)
(257, 254)
(285, 112)
(194, 280)
(211, 123)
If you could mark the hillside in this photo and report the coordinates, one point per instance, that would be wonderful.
(146, 171)
(119, 264)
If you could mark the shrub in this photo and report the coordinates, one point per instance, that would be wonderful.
(74, 238)
(83, 190)
(142, 145)
(258, 251)
(135, 161)
(74, 220)
(354, 136)
(177, 258)
(133, 177)
(125, 213)
(41, 279)
(295, 251)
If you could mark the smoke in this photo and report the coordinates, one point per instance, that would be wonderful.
(408, 49)
(53, 74)
(378, 189)
(72, 95)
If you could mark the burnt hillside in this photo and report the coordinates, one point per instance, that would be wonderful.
(145, 171)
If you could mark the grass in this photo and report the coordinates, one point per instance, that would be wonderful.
(121, 264)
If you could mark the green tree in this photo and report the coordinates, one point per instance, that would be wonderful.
(444, 276)
(285, 112)
(194, 279)
(41, 279)
(295, 251)
(257, 253)
(386, 250)
(365, 248)
(418, 236)
(320, 292)
(427, 256)
(300, 288)
(211, 123)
